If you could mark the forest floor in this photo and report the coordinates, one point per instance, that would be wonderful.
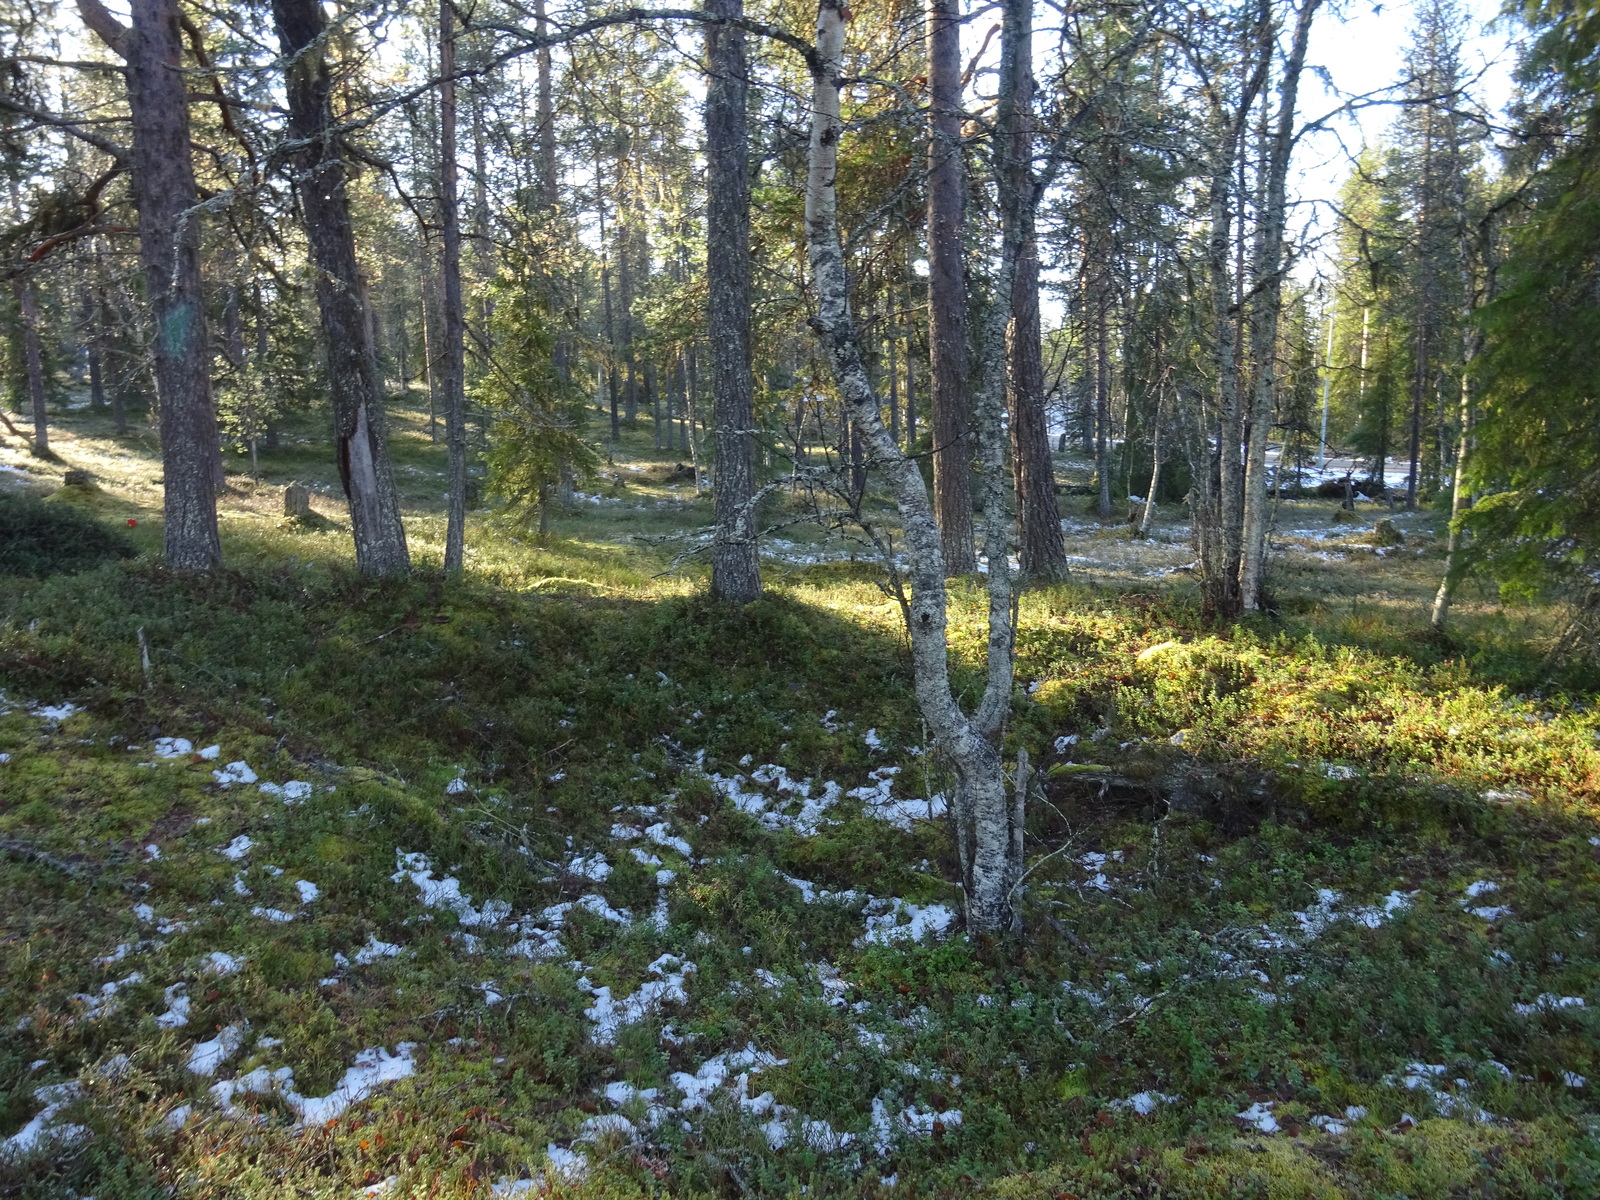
(558, 879)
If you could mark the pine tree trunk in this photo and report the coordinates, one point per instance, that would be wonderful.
(427, 363)
(22, 289)
(735, 565)
(1102, 406)
(454, 320)
(353, 383)
(947, 292)
(94, 342)
(1041, 553)
(169, 242)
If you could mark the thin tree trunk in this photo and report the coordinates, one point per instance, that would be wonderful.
(1460, 499)
(22, 288)
(1102, 405)
(611, 334)
(691, 405)
(947, 293)
(1147, 518)
(894, 387)
(735, 565)
(427, 364)
(354, 384)
(97, 386)
(455, 415)
(653, 393)
(546, 113)
(169, 254)
(1269, 271)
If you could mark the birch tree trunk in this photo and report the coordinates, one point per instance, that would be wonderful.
(735, 565)
(986, 820)
(947, 291)
(452, 357)
(169, 254)
(1269, 270)
(353, 380)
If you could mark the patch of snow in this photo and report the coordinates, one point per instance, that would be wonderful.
(591, 866)
(293, 792)
(219, 962)
(446, 893)
(919, 920)
(55, 712)
(1259, 1116)
(873, 741)
(169, 747)
(238, 848)
(374, 950)
(210, 752)
(610, 1015)
(234, 772)
(206, 1057)
(308, 890)
(42, 1130)
(557, 914)
(1547, 1002)
(1144, 1103)
(99, 1004)
(661, 834)
(373, 1068)
(276, 915)
(177, 1007)
(456, 787)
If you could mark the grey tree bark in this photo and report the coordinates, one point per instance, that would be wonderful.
(735, 565)
(1215, 432)
(360, 427)
(987, 820)
(947, 290)
(452, 356)
(169, 255)
(1268, 271)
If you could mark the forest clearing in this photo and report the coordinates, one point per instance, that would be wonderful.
(918, 600)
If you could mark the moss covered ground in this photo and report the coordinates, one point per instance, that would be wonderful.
(558, 879)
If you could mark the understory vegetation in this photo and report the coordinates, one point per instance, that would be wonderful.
(560, 879)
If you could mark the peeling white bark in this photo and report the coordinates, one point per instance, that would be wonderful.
(985, 818)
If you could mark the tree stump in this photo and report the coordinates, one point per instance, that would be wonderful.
(297, 501)
(77, 477)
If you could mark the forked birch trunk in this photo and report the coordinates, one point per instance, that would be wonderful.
(984, 813)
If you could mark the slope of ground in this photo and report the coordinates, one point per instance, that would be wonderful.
(558, 879)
